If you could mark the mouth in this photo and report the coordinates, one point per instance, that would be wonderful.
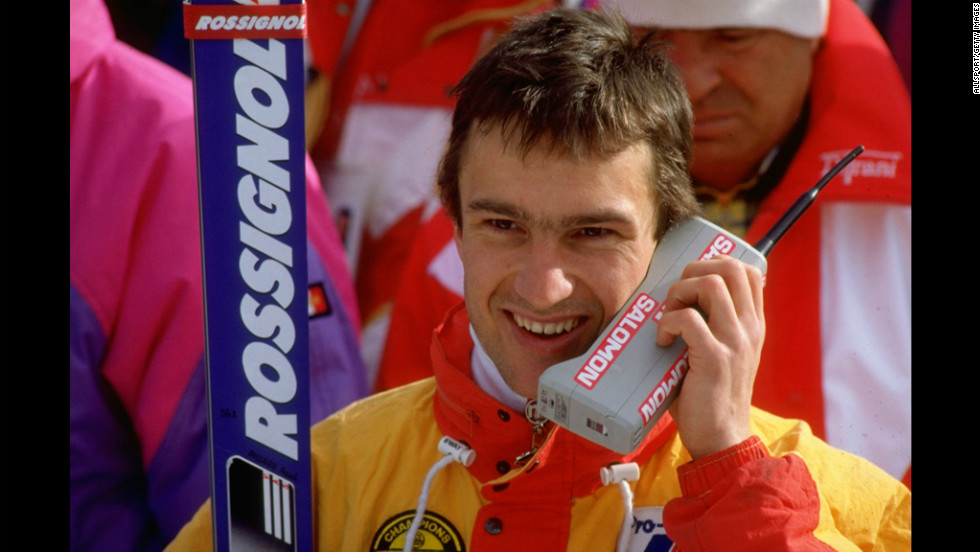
(546, 328)
(714, 125)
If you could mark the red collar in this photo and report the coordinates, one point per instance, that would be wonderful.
(500, 434)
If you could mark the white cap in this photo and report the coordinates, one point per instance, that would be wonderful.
(803, 18)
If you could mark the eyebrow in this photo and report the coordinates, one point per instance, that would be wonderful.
(508, 210)
(497, 207)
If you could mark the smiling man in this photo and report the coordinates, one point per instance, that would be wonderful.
(553, 248)
(566, 164)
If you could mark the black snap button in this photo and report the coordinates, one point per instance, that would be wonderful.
(504, 415)
(500, 487)
(494, 526)
(503, 467)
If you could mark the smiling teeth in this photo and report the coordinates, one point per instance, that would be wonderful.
(550, 328)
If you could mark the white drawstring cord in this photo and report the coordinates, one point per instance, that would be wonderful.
(454, 452)
(622, 474)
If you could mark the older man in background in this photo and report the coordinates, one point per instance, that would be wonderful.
(781, 90)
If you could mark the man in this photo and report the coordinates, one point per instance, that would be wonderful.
(780, 91)
(566, 163)
(138, 452)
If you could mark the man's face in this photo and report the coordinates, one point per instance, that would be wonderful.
(747, 87)
(551, 249)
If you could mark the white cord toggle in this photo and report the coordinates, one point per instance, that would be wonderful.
(622, 474)
(619, 472)
(454, 452)
(460, 452)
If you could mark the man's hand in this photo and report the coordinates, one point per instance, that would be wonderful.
(712, 409)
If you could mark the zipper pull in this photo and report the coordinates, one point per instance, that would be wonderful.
(538, 433)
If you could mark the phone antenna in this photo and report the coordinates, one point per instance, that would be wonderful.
(765, 245)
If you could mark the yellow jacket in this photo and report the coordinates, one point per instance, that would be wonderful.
(782, 489)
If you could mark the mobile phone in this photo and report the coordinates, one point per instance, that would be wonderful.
(615, 392)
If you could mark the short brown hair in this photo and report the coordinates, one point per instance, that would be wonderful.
(579, 80)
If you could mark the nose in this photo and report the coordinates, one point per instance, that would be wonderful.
(543, 280)
(696, 63)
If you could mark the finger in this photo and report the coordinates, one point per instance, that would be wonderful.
(687, 323)
(692, 308)
(744, 282)
(709, 295)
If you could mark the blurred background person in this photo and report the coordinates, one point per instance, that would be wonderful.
(782, 90)
(138, 454)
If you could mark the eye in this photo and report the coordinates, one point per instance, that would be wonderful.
(593, 232)
(736, 37)
(501, 224)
